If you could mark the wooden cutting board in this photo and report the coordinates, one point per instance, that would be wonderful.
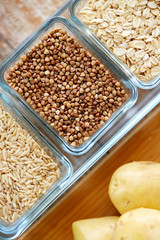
(89, 197)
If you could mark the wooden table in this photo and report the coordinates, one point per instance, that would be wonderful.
(88, 197)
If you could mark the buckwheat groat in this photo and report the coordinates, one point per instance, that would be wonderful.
(67, 86)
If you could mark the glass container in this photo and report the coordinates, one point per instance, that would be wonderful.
(74, 11)
(14, 229)
(116, 70)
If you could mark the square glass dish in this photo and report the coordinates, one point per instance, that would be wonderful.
(13, 229)
(117, 71)
(75, 8)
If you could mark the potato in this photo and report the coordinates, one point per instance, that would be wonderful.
(138, 224)
(136, 185)
(94, 229)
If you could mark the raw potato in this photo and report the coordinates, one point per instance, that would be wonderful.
(94, 229)
(138, 224)
(136, 185)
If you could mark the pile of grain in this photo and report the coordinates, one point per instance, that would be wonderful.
(130, 29)
(67, 86)
(26, 171)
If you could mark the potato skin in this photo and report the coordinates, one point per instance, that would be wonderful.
(135, 185)
(138, 224)
(94, 229)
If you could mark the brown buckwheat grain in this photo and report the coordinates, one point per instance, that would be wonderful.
(67, 86)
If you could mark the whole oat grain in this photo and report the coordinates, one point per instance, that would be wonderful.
(67, 86)
(130, 29)
(26, 171)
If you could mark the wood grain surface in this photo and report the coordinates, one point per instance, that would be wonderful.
(19, 18)
(89, 197)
